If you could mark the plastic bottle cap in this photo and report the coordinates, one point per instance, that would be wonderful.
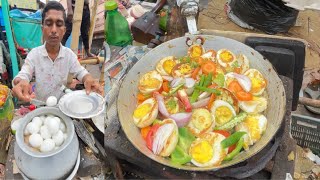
(110, 5)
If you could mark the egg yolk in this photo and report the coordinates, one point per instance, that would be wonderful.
(196, 51)
(168, 66)
(223, 115)
(142, 110)
(185, 68)
(202, 152)
(151, 83)
(226, 56)
(253, 126)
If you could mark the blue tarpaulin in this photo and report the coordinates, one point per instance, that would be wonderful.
(26, 28)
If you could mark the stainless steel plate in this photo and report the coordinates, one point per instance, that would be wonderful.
(78, 104)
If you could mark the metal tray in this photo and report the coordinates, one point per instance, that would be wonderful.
(78, 104)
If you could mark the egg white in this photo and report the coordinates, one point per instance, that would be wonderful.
(220, 61)
(196, 124)
(148, 118)
(243, 62)
(257, 105)
(262, 125)
(250, 74)
(147, 77)
(160, 65)
(219, 153)
(221, 103)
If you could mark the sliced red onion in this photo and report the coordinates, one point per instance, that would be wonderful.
(244, 81)
(190, 91)
(161, 137)
(190, 82)
(201, 103)
(177, 81)
(168, 78)
(181, 119)
(161, 105)
(204, 95)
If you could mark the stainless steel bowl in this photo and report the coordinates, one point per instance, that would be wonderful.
(55, 164)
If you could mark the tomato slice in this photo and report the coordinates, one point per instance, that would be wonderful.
(244, 96)
(144, 132)
(226, 134)
(151, 134)
(234, 86)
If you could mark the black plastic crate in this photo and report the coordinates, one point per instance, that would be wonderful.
(306, 131)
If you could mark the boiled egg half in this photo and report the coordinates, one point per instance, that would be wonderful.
(146, 113)
(222, 112)
(165, 65)
(207, 151)
(225, 57)
(255, 106)
(150, 82)
(254, 126)
(201, 122)
(258, 82)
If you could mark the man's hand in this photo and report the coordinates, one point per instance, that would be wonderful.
(22, 90)
(70, 15)
(92, 84)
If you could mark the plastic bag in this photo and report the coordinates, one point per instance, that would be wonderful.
(270, 16)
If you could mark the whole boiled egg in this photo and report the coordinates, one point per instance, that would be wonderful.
(165, 138)
(255, 106)
(222, 112)
(165, 65)
(145, 113)
(254, 126)
(150, 82)
(201, 121)
(207, 151)
(258, 82)
(225, 58)
(182, 70)
(195, 51)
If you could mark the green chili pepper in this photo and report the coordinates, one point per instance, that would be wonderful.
(196, 92)
(178, 156)
(173, 90)
(214, 91)
(219, 79)
(234, 138)
(185, 138)
(156, 121)
(207, 80)
(229, 125)
(236, 151)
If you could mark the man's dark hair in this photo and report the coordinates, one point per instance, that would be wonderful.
(56, 6)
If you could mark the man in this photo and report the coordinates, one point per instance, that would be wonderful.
(51, 63)
(85, 24)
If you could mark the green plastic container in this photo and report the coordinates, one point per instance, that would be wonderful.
(117, 32)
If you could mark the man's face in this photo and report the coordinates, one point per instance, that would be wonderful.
(53, 27)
